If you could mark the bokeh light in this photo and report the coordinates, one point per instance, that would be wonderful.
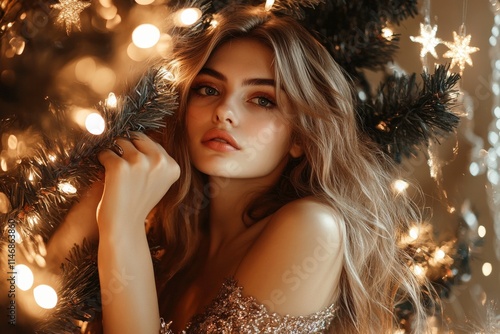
(95, 124)
(187, 17)
(67, 188)
(111, 101)
(487, 269)
(45, 296)
(400, 185)
(24, 277)
(146, 36)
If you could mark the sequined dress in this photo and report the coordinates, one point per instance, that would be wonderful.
(231, 312)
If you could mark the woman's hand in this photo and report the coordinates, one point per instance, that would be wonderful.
(134, 182)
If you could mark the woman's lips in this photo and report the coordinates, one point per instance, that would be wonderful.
(219, 140)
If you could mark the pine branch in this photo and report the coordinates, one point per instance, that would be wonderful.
(354, 38)
(35, 187)
(404, 117)
(79, 295)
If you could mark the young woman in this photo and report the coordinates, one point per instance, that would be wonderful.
(276, 212)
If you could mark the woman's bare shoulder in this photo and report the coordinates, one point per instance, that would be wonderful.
(297, 259)
(309, 214)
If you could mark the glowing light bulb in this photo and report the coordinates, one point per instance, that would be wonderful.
(95, 123)
(400, 185)
(111, 101)
(439, 254)
(418, 270)
(12, 142)
(67, 188)
(145, 36)
(414, 233)
(188, 16)
(481, 231)
(487, 269)
(3, 164)
(24, 277)
(45, 296)
(387, 33)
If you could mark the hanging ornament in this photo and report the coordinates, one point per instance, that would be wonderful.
(69, 13)
(460, 50)
(428, 40)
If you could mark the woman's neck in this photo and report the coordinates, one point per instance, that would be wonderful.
(228, 201)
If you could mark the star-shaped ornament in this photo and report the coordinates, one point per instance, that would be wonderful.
(428, 40)
(459, 50)
(69, 13)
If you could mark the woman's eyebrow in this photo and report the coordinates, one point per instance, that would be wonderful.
(213, 73)
(246, 82)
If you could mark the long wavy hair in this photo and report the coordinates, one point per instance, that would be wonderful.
(340, 166)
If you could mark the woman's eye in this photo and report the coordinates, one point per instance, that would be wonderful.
(263, 102)
(206, 90)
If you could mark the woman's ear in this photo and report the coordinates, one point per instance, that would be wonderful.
(296, 150)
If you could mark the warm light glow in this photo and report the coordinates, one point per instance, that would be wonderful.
(481, 231)
(24, 277)
(214, 23)
(387, 33)
(144, 2)
(67, 188)
(418, 270)
(146, 36)
(487, 269)
(85, 69)
(3, 164)
(439, 254)
(188, 16)
(414, 232)
(17, 44)
(111, 101)
(95, 123)
(52, 157)
(108, 13)
(428, 40)
(111, 24)
(269, 4)
(45, 296)
(12, 142)
(460, 50)
(400, 185)
(103, 80)
(165, 46)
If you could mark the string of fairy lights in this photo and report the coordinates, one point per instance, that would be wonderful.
(146, 41)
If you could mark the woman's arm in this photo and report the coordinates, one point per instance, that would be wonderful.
(134, 183)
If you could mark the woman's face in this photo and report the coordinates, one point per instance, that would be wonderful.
(234, 125)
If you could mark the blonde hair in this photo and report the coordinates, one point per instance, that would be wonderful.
(340, 166)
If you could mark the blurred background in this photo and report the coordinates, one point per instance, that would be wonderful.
(470, 159)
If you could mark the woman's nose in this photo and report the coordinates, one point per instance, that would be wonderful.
(224, 113)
